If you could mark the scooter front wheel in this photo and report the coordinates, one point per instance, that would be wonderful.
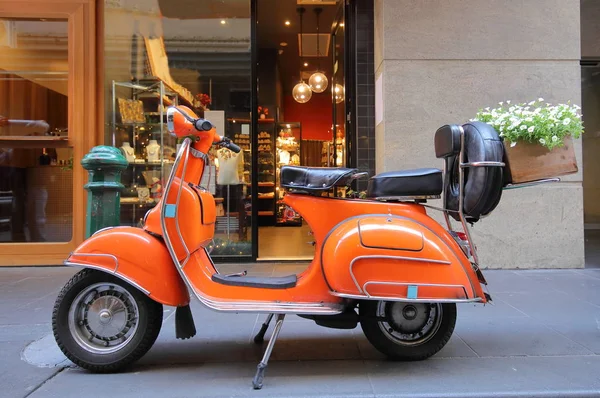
(102, 323)
(407, 331)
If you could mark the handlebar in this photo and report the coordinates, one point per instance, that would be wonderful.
(226, 142)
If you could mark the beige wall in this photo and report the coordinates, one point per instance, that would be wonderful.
(442, 60)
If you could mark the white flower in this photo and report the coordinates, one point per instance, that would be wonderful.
(501, 103)
(530, 129)
(554, 138)
(566, 121)
(512, 144)
(487, 109)
(511, 127)
(531, 103)
(508, 102)
(542, 141)
(523, 127)
(511, 109)
(529, 119)
(541, 99)
(537, 110)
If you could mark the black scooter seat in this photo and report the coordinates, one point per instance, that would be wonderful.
(280, 282)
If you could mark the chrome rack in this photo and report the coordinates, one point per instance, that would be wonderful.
(461, 193)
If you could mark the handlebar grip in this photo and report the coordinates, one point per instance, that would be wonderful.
(233, 147)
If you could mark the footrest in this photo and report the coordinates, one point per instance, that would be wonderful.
(280, 282)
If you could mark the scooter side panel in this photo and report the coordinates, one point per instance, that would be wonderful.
(434, 256)
(408, 256)
(137, 257)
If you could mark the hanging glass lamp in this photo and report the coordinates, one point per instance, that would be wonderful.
(318, 82)
(302, 92)
(338, 93)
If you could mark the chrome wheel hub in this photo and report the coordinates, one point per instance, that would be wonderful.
(103, 318)
(409, 323)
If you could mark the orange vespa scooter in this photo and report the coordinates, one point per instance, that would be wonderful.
(382, 262)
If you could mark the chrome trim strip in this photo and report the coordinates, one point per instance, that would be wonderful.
(234, 306)
(359, 297)
(103, 229)
(482, 164)
(401, 198)
(113, 257)
(383, 257)
(412, 284)
(531, 183)
(120, 276)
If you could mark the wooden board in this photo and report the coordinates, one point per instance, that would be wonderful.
(531, 162)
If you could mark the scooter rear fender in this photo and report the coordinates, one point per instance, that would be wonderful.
(137, 257)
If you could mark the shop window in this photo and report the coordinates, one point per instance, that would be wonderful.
(36, 176)
(160, 53)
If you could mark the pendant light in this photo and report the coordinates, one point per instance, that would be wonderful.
(318, 81)
(301, 92)
(338, 93)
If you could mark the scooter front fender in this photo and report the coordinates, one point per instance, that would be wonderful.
(136, 257)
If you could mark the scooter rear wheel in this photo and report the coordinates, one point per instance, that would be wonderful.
(407, 331)
(102, 323)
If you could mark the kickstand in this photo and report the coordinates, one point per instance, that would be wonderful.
(257, 382)
(260, 336)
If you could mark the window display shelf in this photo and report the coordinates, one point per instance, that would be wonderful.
(139, 131)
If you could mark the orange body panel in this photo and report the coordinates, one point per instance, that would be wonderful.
(310, 288)
(346, 229)
(138, 257)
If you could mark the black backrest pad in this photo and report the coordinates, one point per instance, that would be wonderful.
(447, 141)
(483, 186)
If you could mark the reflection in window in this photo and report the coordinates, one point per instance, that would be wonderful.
(33, 77)
(164, 52)
(36, 194)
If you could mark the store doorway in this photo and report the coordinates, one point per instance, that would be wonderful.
(297, 42)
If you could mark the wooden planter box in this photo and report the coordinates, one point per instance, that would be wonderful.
(530, 162)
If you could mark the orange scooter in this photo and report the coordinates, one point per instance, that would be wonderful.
(382, 262)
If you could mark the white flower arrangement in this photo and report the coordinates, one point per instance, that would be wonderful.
(535, 122)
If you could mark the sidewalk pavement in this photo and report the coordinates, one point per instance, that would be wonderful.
(541, 338)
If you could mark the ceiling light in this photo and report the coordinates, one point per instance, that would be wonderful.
(283, 44)
(342, 24)
(287, 23)
(223, 22)
(306, 64)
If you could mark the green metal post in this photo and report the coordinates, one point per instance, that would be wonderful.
(104, 165)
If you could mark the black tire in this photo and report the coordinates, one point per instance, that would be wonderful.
(483, 185)
(134, 345)
(385, 333)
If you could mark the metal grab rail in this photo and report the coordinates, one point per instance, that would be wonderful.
(183, 152)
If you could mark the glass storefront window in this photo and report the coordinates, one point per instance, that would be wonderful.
(160, 53)
(36, 176)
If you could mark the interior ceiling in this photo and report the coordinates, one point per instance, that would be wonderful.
(271, 31)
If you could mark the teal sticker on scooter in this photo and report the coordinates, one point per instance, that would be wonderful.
(170, 211)
(412, 292)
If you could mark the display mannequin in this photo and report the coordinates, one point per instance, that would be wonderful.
(231, 167)
(231, 177)
(153, 150)
(128, 152)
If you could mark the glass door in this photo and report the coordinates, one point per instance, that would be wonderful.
(337, 148)
(42, 121)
